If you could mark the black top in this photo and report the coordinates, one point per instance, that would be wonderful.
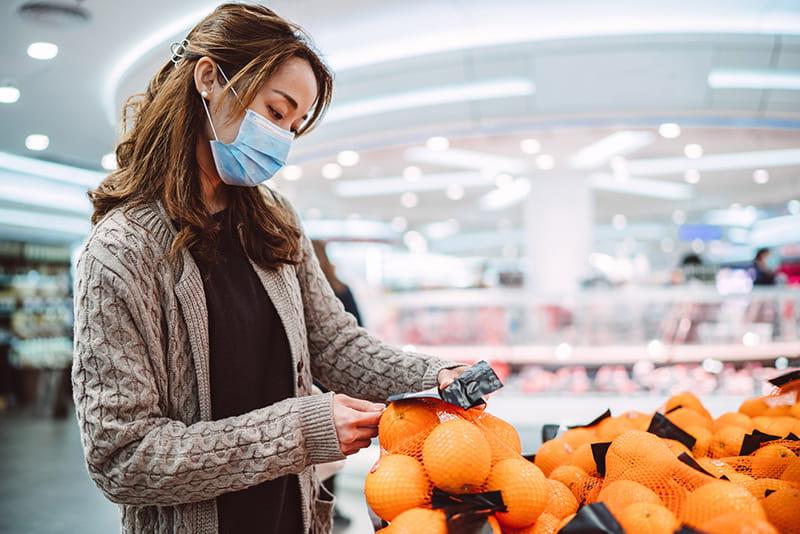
(251, 367)
(763, 277)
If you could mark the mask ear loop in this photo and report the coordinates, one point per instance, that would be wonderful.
(203, 96)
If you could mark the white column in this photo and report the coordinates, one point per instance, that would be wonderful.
(557, 232)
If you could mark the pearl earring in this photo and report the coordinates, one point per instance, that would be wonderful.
(204, 94)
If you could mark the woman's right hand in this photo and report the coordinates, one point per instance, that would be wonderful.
(356, 422)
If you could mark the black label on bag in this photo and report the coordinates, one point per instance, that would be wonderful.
(488, 501)
(753, 441)
(596, 420)
(549, 431)
(599, 451)
(592, 519)
(785, 378)
(664, 428)
(688, 460)
(466, 391)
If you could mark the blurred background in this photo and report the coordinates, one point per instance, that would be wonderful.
(576, 191)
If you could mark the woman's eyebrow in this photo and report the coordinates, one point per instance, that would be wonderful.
(292, 101)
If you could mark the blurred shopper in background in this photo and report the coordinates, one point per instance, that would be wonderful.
(340, 288)
(762, 272)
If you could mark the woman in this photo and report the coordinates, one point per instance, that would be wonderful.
(202, 315)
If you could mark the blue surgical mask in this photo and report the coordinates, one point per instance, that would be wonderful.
(256, 155)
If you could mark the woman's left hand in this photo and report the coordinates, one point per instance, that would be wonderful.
(446, 376)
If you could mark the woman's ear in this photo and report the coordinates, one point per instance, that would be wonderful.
(205, 75)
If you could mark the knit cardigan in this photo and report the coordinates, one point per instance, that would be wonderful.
(141, 379)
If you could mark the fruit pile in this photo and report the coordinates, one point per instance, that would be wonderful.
(648, 483)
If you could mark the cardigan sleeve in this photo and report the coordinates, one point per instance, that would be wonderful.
(345, 357)
(135, 453)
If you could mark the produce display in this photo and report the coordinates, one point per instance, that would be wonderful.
(678, 468)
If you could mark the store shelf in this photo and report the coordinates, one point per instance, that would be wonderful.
(620, 354)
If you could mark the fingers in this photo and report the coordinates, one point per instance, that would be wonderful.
(354, 447)
(366, 419)
(360, 404)
(354, 435)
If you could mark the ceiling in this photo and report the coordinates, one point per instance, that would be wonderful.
(626, 66)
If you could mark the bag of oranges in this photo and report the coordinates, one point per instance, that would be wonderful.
(443, 466)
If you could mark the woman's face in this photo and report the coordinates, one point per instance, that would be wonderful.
(285, 98)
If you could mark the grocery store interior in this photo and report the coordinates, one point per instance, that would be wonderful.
(601, 199)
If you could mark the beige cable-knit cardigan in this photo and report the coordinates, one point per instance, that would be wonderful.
(141, 380)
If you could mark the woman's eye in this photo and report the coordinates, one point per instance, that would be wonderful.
(275, 114)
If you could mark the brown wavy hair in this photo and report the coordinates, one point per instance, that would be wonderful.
(156, 157)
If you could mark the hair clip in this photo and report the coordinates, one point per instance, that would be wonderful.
(178, 50)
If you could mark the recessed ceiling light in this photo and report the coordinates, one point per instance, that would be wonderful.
(347, 158)
(667, 245)
(399, 224)
(8, 94)
(619, 221)
(760, 176)
(692, 176)
(545, 162)
(679, 216)
(669, 130)
(454, 192)
(331, 171)
(415, 242)
(437, 144)
(37, 142)
(292, 173)
(530, 146)
(503, 179)
(412, 173)
(793, 207)
(109, 161)
(42, 51)
(698, 246)
(409, 200)
(693, 151)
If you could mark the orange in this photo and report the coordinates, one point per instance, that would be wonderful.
(779, 426)
(583, 458)
(754, 407)
(494, 525)
(545, 524)
(586, 490)
(737, 523)
(716, 467)
(457, 456)
(565, 522)
(612, 427)
(552, 454)
(578, 436)
(718, 498)
(418, 520)
(689, 400)
(524, 488)
(775, 411)
(677, 447)
(634, 449)
(684, 417)
(620, 494)
(405, 424)
(395, 484)
(794, 411)
(702, 436)
(733, 419)
(561, 502)
(792, 471)
(637, 420)
(568, 475)
(759, 486)
(783, 510)
(649, 517)
(502, 436)
(726, 441)
(775, 451)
